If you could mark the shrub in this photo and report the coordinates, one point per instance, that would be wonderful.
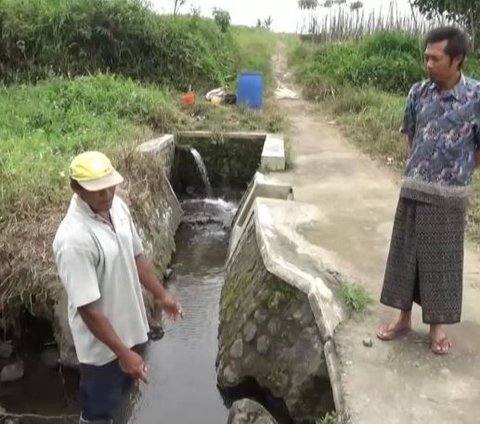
(42, 38)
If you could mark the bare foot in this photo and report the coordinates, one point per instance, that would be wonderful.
(396, 328)
(440, 344)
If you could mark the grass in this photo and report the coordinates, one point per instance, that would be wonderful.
(355, 297)
(42, 127)
(327, 419)
(255, 48)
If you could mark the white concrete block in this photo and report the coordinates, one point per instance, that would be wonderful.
(273, 154)
(258, 187)
(157, 145)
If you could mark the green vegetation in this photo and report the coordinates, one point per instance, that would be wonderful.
(386, 61)
(45, 38)
(355, 297)
(327, 419)
(42, 127)
(255, 49)
(363, 87)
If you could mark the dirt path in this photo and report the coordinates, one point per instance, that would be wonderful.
(393, 382)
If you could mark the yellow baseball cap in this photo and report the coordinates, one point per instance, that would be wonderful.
(94, 171)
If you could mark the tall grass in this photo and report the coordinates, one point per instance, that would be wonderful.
(255, 48)
(44, 38)
(388, 61)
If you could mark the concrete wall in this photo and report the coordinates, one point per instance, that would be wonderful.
(279, 311)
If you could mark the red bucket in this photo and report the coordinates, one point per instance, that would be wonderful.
(188, 99)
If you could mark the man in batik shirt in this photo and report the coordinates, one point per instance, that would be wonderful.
(425, 263)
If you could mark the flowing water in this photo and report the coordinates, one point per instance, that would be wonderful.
(203, 171)
(181, 367)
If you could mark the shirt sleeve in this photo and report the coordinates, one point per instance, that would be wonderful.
(409, 117)
(76, 268)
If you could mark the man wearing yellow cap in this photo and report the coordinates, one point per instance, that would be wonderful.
(100, 261)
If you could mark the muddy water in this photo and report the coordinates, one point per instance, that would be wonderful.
(181, 367)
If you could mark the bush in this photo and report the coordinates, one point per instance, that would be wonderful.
(387, 61)
(222, 19)
(42, 38)
(390, 62)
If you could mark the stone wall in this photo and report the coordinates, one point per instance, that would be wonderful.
(268, 332)
(231, 159)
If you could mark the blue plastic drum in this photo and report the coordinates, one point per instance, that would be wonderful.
(250, 89)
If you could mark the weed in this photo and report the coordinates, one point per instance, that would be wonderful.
(327, 419)
(355, 297)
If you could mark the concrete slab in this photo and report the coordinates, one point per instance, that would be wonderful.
(292, 257)
(258, 187)
(273, 154)
(157, 145)
(238, 135)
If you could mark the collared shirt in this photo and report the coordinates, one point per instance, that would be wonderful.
(96, 263)
(444, 127)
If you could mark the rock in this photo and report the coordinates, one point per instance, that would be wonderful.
(368, 342)
(261, 315)
(247, 411)
(12, 372)
(50, 357)
(249, 331)
(263, 344)
(274, 326)
(156, 333)
(237, 349)
(230, 377)
(6, 350)
(249, 362)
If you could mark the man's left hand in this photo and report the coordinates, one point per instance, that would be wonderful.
(171, 307)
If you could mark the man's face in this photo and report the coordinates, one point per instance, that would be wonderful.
(439, 66)
(99, 201)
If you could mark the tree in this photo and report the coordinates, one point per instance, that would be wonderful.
(222, 18)
(177, 4)
(267, 23)
(356, 5)
(466, 12)
(308, 4)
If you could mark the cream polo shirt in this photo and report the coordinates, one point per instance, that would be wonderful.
(96, 263)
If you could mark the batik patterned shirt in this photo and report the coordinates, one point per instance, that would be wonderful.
(444, 127)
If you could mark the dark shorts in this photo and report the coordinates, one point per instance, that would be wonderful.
(102, 389)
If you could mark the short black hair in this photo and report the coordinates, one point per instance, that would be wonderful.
(74, 185)
(457, 41)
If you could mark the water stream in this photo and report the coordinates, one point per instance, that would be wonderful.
(203, 171)
(182, 387)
